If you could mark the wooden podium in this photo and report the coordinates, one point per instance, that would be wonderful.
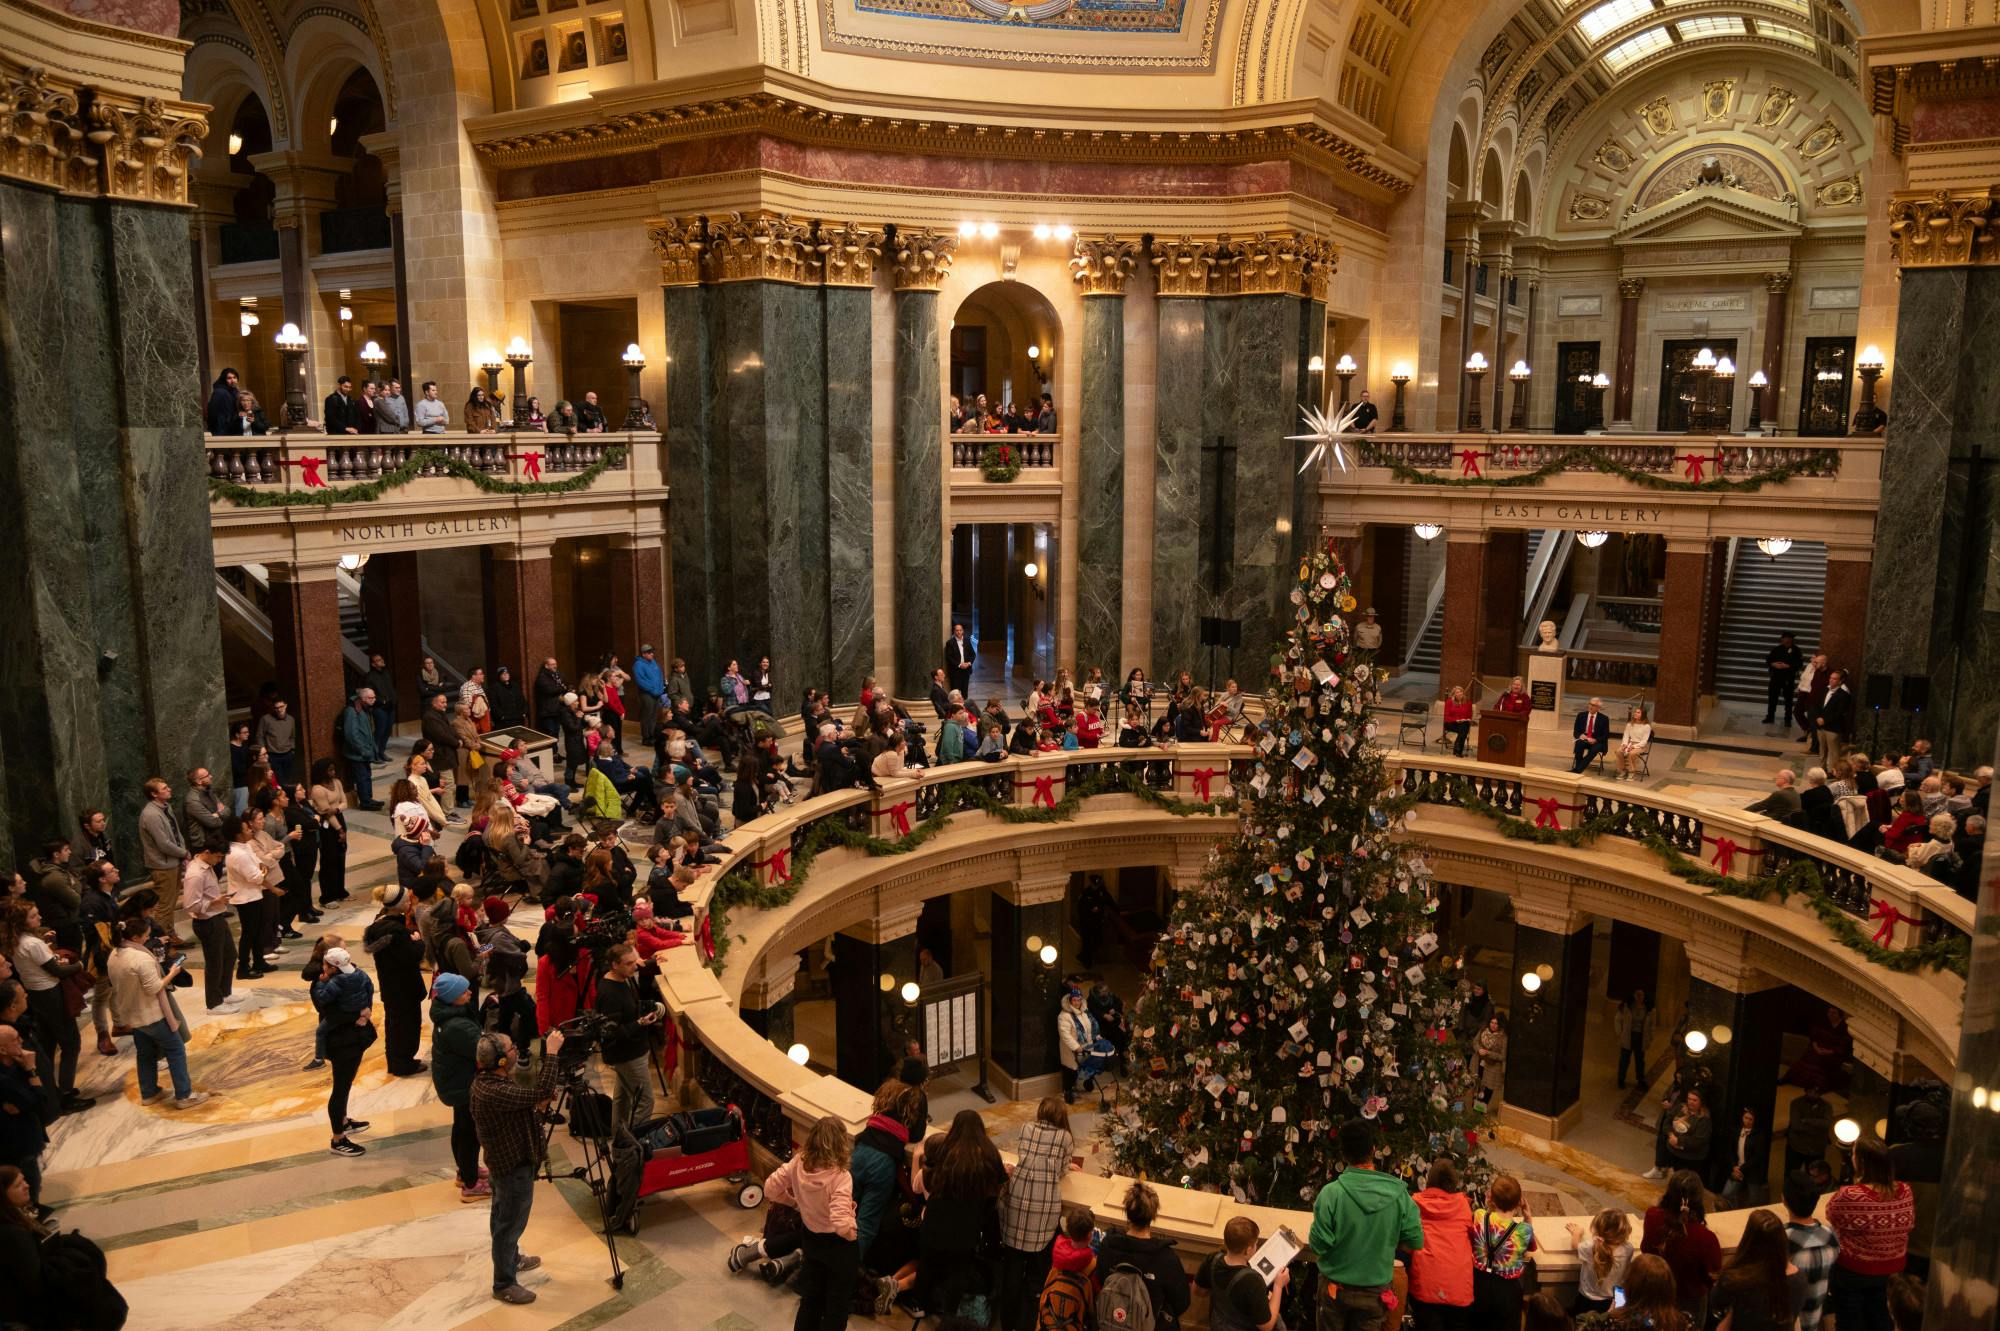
(1503, 737)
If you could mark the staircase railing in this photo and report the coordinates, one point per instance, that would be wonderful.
(1544, 572)
(1432, 601)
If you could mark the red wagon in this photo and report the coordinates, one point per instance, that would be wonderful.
(697, 1146)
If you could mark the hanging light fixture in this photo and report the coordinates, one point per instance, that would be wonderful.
(1774, 545)
(1427, 531)
(1590, 540)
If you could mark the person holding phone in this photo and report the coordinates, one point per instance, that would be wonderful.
(139, 999)
(628, 1048)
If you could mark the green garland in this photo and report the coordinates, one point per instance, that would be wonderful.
(993, 469)
(1800, 877)
(740, 887)
(368, 491)
(1570, 459)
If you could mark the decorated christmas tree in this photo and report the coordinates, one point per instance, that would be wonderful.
(1302, 982)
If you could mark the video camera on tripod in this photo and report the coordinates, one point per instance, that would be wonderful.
(598, 931)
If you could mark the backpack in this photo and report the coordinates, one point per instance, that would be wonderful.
(75, 1265)
(1125, 1303)
(470, 857)
(1065, 1303)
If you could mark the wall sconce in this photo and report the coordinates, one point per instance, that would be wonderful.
(1847, 1132)
(1035, 362)
(799, 1054)
(1047, 954)
(1400, 377)
(1696, 1042)
(346, 314)
(235, 144)
(911, 991)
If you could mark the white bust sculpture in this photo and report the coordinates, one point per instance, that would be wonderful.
(1548, 633)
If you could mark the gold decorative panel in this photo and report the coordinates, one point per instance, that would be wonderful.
(1658, 116)
(1823, 139)
(678, 242)
(1716, 97)
(1776, 106)
(1611, 155)
(760, 247)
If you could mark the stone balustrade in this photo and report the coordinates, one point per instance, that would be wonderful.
(1667, 456)
(1031, 451)
(297, 460)
(736, 1064)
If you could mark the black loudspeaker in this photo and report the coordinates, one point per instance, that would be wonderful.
(1211, 636)
(1225, 633)
(1878, 691)
(1916, 692)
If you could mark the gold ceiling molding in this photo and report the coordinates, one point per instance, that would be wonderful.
(846, 253)
(761, 112)
(1287, 263)
(1943, 228)
(1100, 266)
(759, 247)
(922, 259)
(96, 141)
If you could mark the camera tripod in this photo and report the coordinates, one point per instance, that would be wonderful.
(596, 1171)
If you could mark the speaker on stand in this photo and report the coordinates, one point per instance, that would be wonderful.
(1916, 699)
(1220, 633)
(1875, 694)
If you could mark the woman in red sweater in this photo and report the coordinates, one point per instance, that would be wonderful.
(1872, 1217)
(1457, 720)
(1677, 1230)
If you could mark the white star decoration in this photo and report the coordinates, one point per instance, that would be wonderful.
(1325, 434)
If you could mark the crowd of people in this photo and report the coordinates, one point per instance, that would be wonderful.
(977, 415)
(381, 407)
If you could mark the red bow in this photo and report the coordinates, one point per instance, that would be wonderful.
(901, 813)
(1891, 916)
(1725, 853)
(1511, 453)
(1468, 461)
(1695, 462)
(1006, 454)
(1545, 813)
(533, 469)
(1045, 791)
(781, 872)
(311, 466)
(1202, 776)
(705, 937)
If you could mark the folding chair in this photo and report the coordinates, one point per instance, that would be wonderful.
(1417, 717)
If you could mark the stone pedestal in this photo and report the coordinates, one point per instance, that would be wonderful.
(1544, 679)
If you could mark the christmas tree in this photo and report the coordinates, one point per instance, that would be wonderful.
(1302, 983)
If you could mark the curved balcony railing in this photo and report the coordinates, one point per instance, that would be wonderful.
(1666, 456)
(310, 461)
(1637, 829)
(1031, 451)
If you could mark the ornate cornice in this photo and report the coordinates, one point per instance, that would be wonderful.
(96, 141)
(799, 121)
(679, 243)
(846, 253)
(758, 247)
(1100, 266)
(1942, 228)
(921, 259)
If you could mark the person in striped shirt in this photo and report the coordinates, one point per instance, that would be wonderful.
(1814, 1247)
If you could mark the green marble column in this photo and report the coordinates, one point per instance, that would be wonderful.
(700, 549)
(850, 487)
(1178, 513)
(919, 491)
(113, 671)
(1263, 345)
(1100, 515)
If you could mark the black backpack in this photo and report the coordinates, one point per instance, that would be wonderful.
(73, 1264)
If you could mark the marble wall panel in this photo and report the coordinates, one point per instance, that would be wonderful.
(919, 492)
(691, 523)
(850, 488)
(1182, 390)
(1101, 498)
(1264, 384)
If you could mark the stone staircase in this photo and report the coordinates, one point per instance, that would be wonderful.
(1767, 597)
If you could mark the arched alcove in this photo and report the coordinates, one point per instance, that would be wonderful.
(991, 337)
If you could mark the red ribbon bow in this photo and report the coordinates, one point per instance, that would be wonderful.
(1724, 859)
(311, 467)
(705, 938)
(1468, 461)
(781, 871)
(1545, 813)
(1891, 916)
(901, 814)
(1695, 463)
(1202, 776)
(1045, 791)
(1006, 454)
(533, 469)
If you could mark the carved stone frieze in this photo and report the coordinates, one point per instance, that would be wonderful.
(86, 140)
(921, 259)
(1101, 265)
(41, 132)
(1284, 263)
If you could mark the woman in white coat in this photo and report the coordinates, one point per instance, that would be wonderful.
(1084, 1047)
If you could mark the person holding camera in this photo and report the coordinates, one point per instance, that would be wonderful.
(505, 1117)
(627, 1048)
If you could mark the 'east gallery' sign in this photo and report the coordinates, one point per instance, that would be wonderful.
(1602, 514)
(409, 531)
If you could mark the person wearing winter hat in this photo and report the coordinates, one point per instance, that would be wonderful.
(1084, 1048)
(504, 968)
(345, 998)
(392, 939)
(454, 1038)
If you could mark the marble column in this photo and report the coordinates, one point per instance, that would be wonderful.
(767, 1004)
(1101, 266)
(850, 484)
(700, 546)
(872, 1025)
(1026, 994)
(919, 490)
(113, 669)
(1843, 622)
(392, 600)
(1179, 594)
(1467, 288)
(1931, 610)
(638, 598)
(1777, 299)
(1528, 348)
(1545, 1030)
(1260, 339)
(1626, 370)
(1750, 1010)
(1497, 422)
(1463, 608)
(306, 654)
(1391, 547)
(1504, 575)
(1677, 692)
(520, 620)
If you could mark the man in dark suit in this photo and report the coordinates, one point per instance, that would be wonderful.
(343, 414)
(941, 694)
(959, 654)
(1592, 733)
(1782, 664)
(1835, 721)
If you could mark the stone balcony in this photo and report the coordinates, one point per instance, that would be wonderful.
(279, 497)
(1035, 493)
(1613, 481)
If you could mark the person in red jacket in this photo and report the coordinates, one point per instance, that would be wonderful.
(1516, 699)
(1441, 1270)
(1089, 726)
(1872, 1217)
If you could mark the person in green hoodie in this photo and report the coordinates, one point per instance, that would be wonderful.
(1359, 1221)
(454, 1037)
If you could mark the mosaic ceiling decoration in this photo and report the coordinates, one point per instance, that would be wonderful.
(1125, 35)
(1119, 16)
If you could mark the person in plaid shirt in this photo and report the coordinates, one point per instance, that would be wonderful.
(1030, 1211)
(503, 1115)
(1814, 1246)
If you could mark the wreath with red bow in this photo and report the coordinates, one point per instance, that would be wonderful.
(1000, 462)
